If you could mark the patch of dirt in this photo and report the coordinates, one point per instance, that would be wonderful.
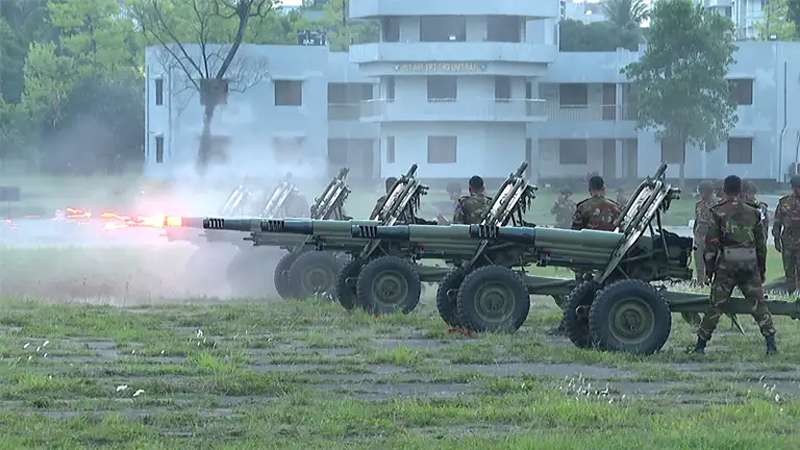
(554, 370)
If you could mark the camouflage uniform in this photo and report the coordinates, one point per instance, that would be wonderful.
(596, 213)
(786, 230)
(736, 254)
(472, 208)
(563, 209)
(702, 222)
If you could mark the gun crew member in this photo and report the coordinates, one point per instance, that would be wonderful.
(786, 232)
(471, 208)
(735, 256)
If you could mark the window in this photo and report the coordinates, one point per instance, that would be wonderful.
(572, 151)
(159, 149)
(390, 149)
(389, 86)
(442, 89)
(502, 88)
(741, 91)
(529, 90)
(288, 93)
(442, 149)
(503, 29)
(572, 95)
(390, 28)
(740, 151)
(672, 151)
(443, 28)
(159, 91)
(337, 152)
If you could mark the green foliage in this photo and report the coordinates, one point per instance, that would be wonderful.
(21, 22)
(49, 78)
(777, 21)
(342, 32)
(794, 13)
(596, 37)
(680, 80)
(626, 14)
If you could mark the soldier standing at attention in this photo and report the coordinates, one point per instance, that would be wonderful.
(596, 212)
(702, 222)
(786, 232)
(471, 208)
(735, 256)
(563, 209)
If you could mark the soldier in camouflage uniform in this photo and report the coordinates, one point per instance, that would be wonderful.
(379, 204)
(786, 232)
(472, 208)
(563, 209)
(596, 212)
(702, 222)
(735, 256)
(749, 195)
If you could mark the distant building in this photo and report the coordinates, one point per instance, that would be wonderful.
(475, 93)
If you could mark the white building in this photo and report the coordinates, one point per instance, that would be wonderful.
(463, 94)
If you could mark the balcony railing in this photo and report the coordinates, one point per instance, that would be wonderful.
(344, 111)
(514, 110)
(589, 113)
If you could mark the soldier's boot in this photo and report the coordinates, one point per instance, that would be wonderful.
(771, 347)
(700, 347)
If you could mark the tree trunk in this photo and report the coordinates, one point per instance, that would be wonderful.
(204, 152)
(683, 164)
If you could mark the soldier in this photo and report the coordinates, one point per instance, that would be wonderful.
(563, 209)
(377, 209)
(702, 222)
(735, 256)
(786, 232)
(596, 212)
(749, 194)
(471, 208)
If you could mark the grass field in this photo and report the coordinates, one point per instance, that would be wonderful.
(310, 375)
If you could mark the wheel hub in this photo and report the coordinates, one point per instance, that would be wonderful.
(632, 320)
(495, 303)
(390, 288)
(317, 279)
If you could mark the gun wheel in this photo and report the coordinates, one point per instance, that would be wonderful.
(576, 313)
(346, 284)
(493, 298)
(281, 276)
(388, 285)
(313, 274)
(630, 316)
(447, 297)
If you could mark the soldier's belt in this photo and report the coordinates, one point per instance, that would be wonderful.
(739, 255)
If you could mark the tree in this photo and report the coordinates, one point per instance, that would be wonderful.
(794, 13)
(595, 37)
(679, 82)
(49, 78)
(775, 24)
(208, 65)
(343, 32)
(21, 23)
(626, 14)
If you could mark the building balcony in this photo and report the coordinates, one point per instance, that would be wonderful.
(376, 8)
(589, 113)
(467, 110)
(587, 122)
(433, 57)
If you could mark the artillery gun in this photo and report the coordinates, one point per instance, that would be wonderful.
(334, 236)
(621, 308)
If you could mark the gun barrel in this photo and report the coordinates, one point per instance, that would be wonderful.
(218, 223)
(191, 222)
(522, 168)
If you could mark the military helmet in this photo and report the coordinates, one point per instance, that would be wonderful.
(795, 182)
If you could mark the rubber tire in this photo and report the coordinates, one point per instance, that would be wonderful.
(281, 276)
(604, 337)
(371, 273)
(446, 303)
(577, 328)
(467, 308)
(345, 292)
(313, 260)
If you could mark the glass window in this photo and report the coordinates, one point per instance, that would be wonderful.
(672, 151)
(502, 88)
(159, 91)
(390, 149)
(573, 94)
(741, 91)
(390, 28)
(740, 151)
(288, 93)
(442, 149)
(337, 152)
(442, 89)
(572, 151)
(503, 29)
(159, 149)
